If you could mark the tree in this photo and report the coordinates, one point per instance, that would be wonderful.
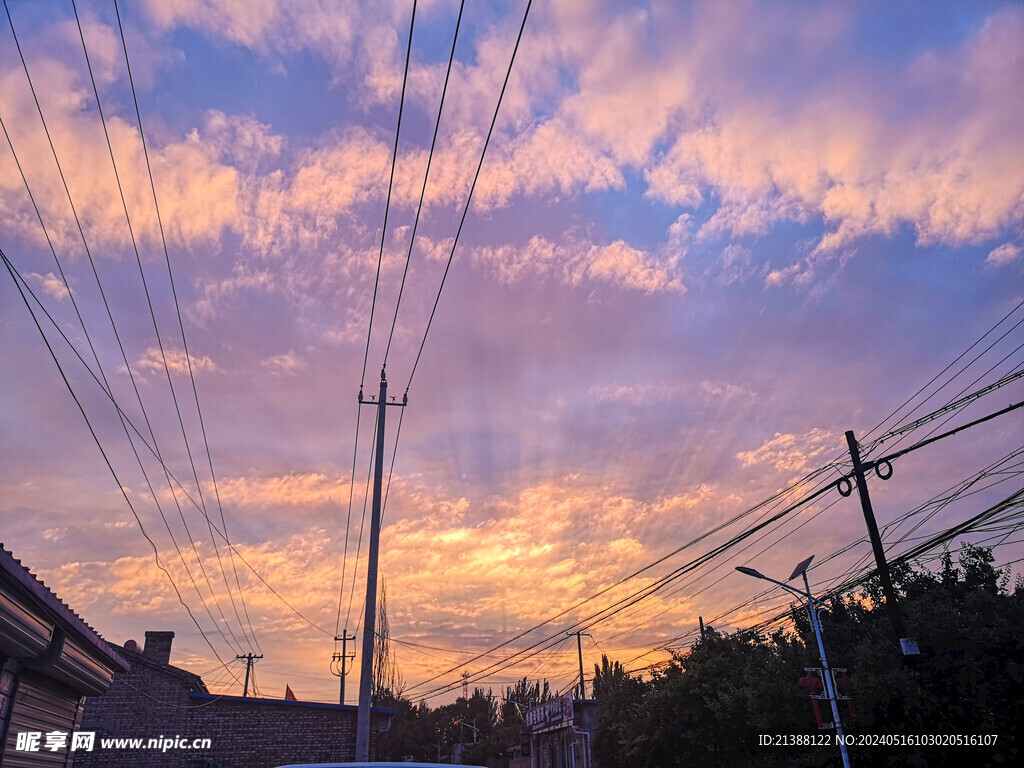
(387, 677)
(709, 706)
(618, 695)
(495, 746)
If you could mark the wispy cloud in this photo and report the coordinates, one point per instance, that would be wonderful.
(1004, 254)
(287, 364)
(175, 360)
(574, 262)
(51, 285)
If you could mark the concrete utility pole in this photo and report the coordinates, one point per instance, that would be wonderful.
(908, 645)
(250, 659)
(579, 647)
(341, 660)
(370, 619)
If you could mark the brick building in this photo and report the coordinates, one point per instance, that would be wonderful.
(560, 732)
(49, 660)
(156, 700)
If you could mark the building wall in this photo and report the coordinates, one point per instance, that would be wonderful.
(560, 733)
(147, 701)
(243, 733)
(265, 733)
(40, 705)
(155, 700)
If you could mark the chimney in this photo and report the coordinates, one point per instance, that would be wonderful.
(158, 647)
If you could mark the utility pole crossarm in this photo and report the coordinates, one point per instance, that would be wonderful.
(340, 660)
(250, 659)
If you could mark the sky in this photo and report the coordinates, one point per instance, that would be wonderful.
(706, 240)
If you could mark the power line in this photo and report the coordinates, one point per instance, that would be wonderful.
(942, 499)
(1003, 382)
(656, 586)
(106, 458)
(387, 205)
(135, 429)
(184, 341)
(955, 405)
(138, 258)
(641, 594)
(426, 175)
(469, 198)
(106, 385)
(362, 525)
(348, 523)
(940, 373)
(369, 334)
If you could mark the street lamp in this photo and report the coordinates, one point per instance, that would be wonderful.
(812, 614)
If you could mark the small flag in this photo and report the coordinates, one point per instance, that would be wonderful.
(288, 695)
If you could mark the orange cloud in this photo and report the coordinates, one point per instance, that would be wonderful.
(791, 453)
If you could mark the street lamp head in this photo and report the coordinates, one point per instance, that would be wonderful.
(750, 572)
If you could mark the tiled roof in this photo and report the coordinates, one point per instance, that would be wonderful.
(32, 584)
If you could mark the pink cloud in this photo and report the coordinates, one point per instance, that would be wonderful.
(1004, 254)
(51, 285)
(176, 361)
(575, 262)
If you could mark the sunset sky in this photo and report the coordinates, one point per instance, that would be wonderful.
(706, 240)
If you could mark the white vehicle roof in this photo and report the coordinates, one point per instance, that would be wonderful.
(371, 765)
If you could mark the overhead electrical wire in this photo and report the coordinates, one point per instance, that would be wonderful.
(359, 545)
(954, 493)
(936, 504)
(945, 409)
(184, 491)
(142, 439)
(1014, 501)
(656, 586)
(348, 525)
(106, 458)
(184, 341)
(387, 204)
(935, 378)
(156, 330)
(847, 579)
(469, 198)
(88, 251)
(449, 262)
(412, 240)
(369, 330)
(106, 388)
(922, 443)
(416, 222)
(426, 175)
(946, 434)
(651, 589)
(1002, 382)
(462, 221)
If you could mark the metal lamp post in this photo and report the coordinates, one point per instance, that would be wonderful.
(812, 613)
